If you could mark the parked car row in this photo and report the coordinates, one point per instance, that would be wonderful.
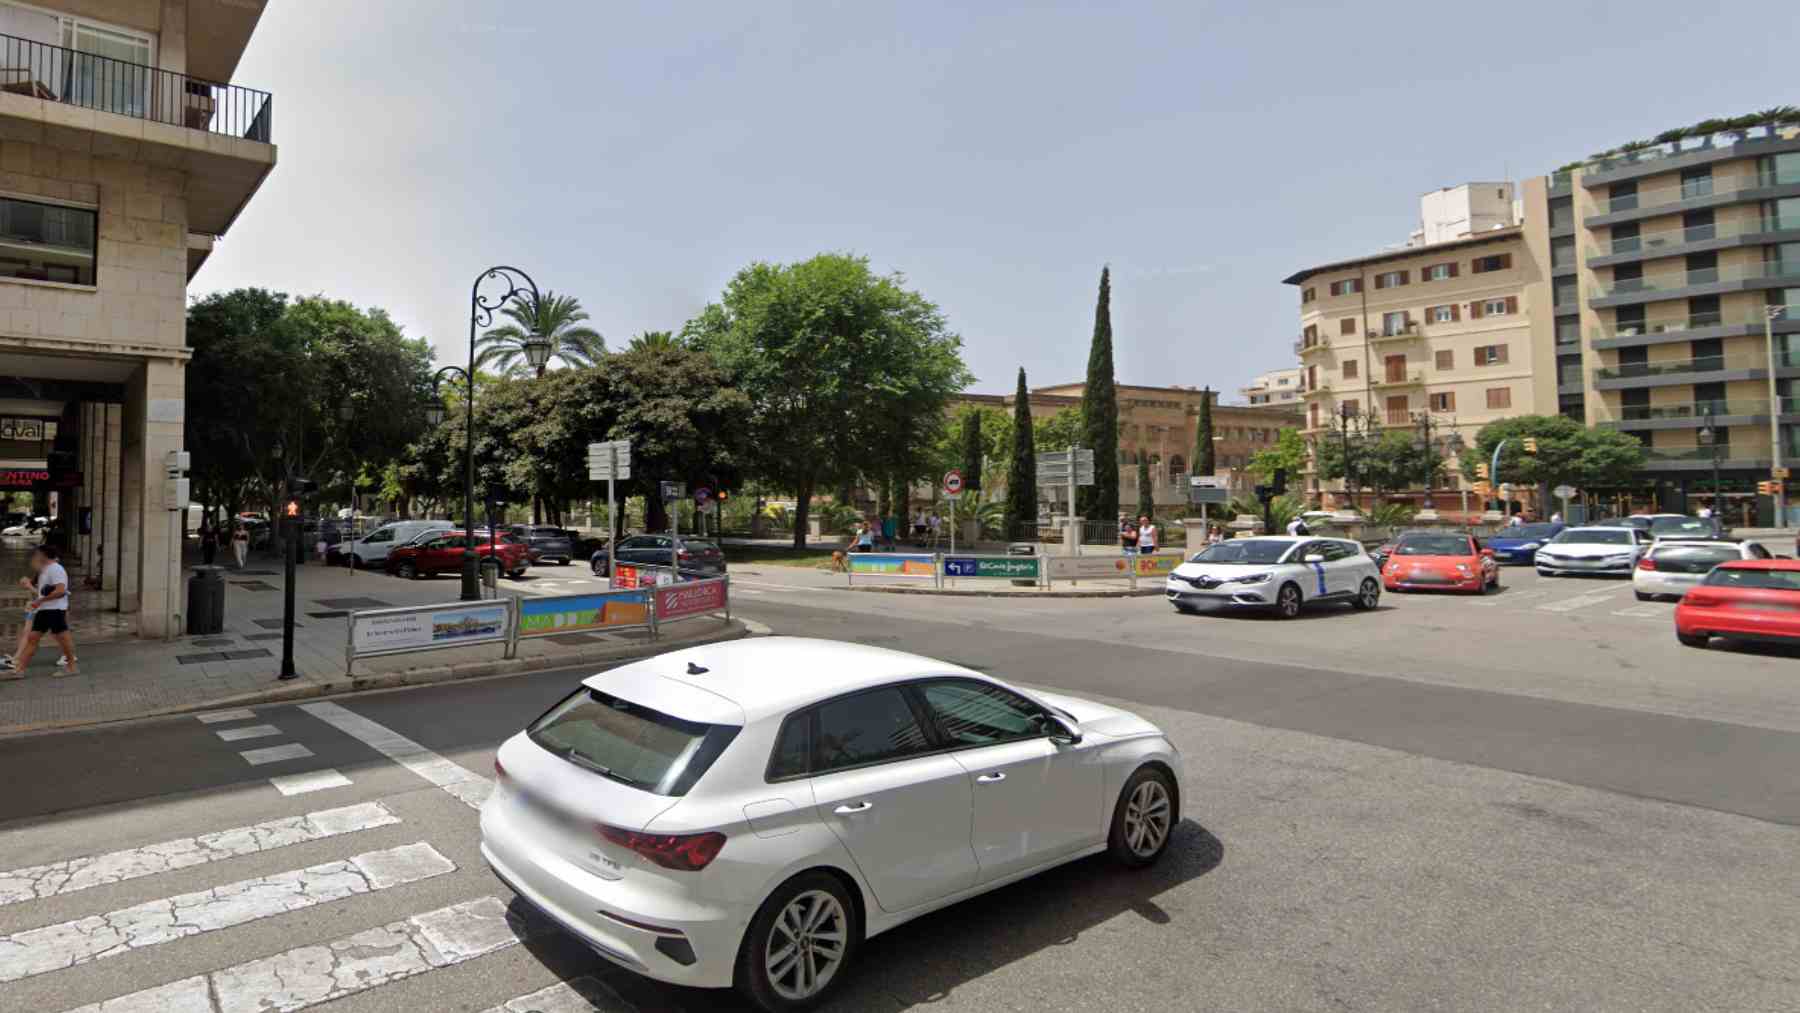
(693, 554)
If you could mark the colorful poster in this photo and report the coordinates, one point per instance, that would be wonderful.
(624, 576)
(1158, 565)
(679, 601)
(540, 617)
(447, 626)
(879, 564)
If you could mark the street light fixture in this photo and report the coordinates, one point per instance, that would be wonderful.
(1709, 435)
(1769, 315)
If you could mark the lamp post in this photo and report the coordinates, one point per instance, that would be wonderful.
(1345, 414)
(1454, 445)
(1711, 436)
(537, 353)
(1424, 420)
(1769, 315)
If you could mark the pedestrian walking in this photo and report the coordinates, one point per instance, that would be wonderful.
(209, 541)
(1297, 527)
(50, 614)
(1128, 536)
(1146, 542)
(240, 543)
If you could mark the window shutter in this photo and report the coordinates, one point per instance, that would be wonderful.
(1405, 276)
(1380, 282)
(1500, 353)
(1455, 312)
(1512, 304)
(1475, 310)
(1480, 356)
(1505, 261)
(1406, 317)
(1453, 269)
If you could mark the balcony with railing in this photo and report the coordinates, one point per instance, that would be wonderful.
(1735, 142)
(1666, 285)
(103, 84)
(1304, 347)
(1706, 324)
(1699, 413)
(1707, 191)
(1673, 242)
(1395, 332)
(1399, 378)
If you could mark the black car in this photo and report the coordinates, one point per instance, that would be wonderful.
(546, 544)
(694, 554)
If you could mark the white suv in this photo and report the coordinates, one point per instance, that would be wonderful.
(1673, 565)
(1280, 573)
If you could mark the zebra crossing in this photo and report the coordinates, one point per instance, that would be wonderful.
(64, 919)
(1557, 597)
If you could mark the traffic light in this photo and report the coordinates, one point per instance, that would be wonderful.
(1481, 471)
(293, 507)
(1280, 482)
(1531, 444)
(1768, 488)
(722, 495)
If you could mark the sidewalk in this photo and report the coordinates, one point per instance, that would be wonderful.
(140, 678)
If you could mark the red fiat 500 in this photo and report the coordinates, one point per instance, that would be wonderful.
(1747, 599)
(1432, 561)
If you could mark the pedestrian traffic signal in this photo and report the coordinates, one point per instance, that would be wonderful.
(722, 495)
(1531, 444)
(293, 507)
(1768, 488)
(1481, 471)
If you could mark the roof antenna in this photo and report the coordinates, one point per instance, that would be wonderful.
(694, 669)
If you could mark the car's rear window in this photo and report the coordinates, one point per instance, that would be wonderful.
(1594, 536)
(1695, 553)
(1434, 545)
(1680, 526)
(630, 743)
(699, 545)
(1763, 580)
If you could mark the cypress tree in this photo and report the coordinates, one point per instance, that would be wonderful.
(1203, 436)
(971, 434)
(1146, 489)
(1021, 481)
(1100, 413)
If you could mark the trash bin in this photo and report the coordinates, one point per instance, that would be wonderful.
(206, 600)
(1023, 549)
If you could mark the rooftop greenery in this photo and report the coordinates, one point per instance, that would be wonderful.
(1773, 117)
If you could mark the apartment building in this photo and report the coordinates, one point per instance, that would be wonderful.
(1437, 338)
(1669, 265)
(1278, 389)
(123, 155)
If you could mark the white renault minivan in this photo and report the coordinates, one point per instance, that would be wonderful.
(372, 549)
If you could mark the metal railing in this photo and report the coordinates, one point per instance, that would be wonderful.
(1405, 378)
(1707, 364)
(55, 74)
(1687, 145)
(1702, 276)
(1410, 329)
(1717, 186)
(1699, 410)
(1698, 453)
(1698, 234)
(1691, 322)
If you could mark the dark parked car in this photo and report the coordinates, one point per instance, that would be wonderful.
(442, 553)
(694, 554)
(547, 544)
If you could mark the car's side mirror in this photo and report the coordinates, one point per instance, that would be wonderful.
(1064, 730)
(1489, 553)
(1315, 558)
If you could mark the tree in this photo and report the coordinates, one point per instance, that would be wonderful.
(848, 372)
(1288, 454)
(1567, 452)
(556, 318)
(1203, 460)
(1057, 432)
(972, 450)
(654, 341)
(1146, 488)
(1021, 479)
(1395, 461)
(1100, 412)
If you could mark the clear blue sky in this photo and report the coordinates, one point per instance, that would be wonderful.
(636, 156)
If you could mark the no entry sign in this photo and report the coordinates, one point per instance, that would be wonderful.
(952, 482)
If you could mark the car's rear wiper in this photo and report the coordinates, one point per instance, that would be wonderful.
(581, 761)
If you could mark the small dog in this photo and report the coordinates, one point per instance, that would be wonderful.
(837, 561)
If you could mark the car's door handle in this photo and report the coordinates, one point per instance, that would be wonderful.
(994, 778)
(851, 810)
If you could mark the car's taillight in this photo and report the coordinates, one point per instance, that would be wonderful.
(684, 554)
(1646, 563)
(681, 852)
(500, 771)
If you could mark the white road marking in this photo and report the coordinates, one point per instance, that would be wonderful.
(1579, 601)
(215, 717)
(1507, 598)
(96, 937)
(577, 995)
(736, 583)
(1647, 610)
(471, 788)
(57, 878)
(310, 975)
(316, 780)
(248, 732)
(275, 754)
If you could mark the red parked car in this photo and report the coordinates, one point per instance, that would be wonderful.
(1745, 599)
(442, 553)
(1439, 561)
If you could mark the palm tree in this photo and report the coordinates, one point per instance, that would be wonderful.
(555, 317)
(654, 341)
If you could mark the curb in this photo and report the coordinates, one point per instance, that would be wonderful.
(425, 676)
(1142, 592)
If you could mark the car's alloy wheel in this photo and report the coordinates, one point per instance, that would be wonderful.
(1369, 596)
(1143, 818)
(406, 571)
(798, 944)
(1287, 601)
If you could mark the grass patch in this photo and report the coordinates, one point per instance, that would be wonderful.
(769, 555)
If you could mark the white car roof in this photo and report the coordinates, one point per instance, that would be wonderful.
(1600, 527)
(763, 676)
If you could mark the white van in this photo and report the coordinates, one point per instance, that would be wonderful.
(372, 549)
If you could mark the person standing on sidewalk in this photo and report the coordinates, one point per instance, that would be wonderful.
(209, 541)
(1128, 536)
(50, 614)
(1146, 529)
(240, 543)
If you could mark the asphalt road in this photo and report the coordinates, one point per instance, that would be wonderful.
(1530, 800)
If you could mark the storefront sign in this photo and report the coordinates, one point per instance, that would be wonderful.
(884, 564)
(1017, 567)
(23, 478)
(679, 601)
(540, 617)
(436, 626)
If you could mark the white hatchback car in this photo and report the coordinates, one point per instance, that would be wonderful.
(748, 813)
(1283, 573)
(1673, 565)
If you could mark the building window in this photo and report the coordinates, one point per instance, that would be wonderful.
(1496, 262)
(1565, 294)
(1398, 322)
(1490, 355)
(1355, 407)
(1438, 272)
(1349, 366)
(1446, 359)
(1306, 295)
(1310, 335)
(1698, 226)
(1562, 213)
(1397, 410)
(1442, 314)
(46, 242)
(1622, 197)
(1349, 286)
(1347, 325)
(1494, 307)
(1626, 238)
(1390, 279)
(1444, 401)
(1568, 330)
(1696, 182)
(1499, 397)
(1562, 252)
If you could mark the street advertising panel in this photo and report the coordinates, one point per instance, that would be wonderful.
(548, 617)
(1094, 567)
(427, 627)
(1014, 567)
(694, 598)
(630, 575)
(891, 564)
(1159, 565)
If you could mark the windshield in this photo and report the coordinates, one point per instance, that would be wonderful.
(629, 743)
(1533, 532)
(699, 545)
(1593, 536)
(1680, 526)
(1246, 551)
(1433, 545)
(1744, 577)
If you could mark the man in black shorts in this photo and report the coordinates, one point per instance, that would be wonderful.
(50, 614)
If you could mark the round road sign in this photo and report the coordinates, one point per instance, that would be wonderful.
(1564, 491)
(952, 482)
